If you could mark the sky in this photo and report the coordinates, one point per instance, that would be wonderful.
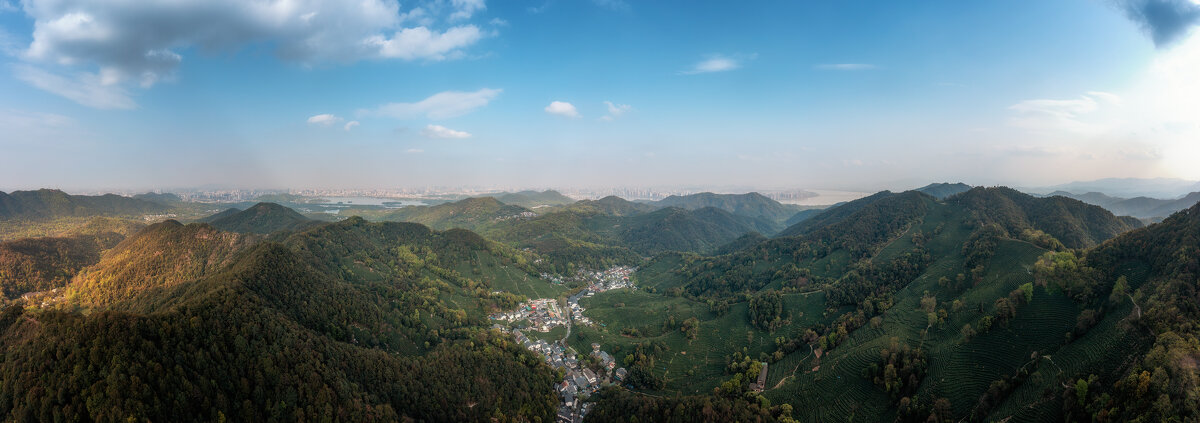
(855, 95)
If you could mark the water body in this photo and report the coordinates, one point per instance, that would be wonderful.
(372, 201)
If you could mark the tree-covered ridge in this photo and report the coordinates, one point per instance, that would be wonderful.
(610, 205)
(831, 215)
(858, 235)
(262, 218)
(1072, 222)
(597, 240)
(298, 330)
(161, 255)
(1162, 384)
(944, 189)
(1141, 207)
(47, 204)
(39, 264)
(476, 214)
(532, 199)
(753, 205)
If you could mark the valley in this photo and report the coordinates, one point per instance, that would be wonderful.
(991, 303)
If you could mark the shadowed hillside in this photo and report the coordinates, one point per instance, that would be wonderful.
(47, 204)
(262, 218)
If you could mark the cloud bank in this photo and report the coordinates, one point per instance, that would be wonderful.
(1166, 21)
(143, 42)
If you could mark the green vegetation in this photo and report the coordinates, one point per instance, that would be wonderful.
(262, 218)
(942, 190)
(752, 205)
(531, 199)
(341, 322)
(39, 264)
(986, 305)
(473, 213)
(45, 204)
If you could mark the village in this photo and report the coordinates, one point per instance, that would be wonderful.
(582, 376)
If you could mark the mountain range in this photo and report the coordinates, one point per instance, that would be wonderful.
(946, 303)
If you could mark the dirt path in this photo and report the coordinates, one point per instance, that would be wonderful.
(781, 381)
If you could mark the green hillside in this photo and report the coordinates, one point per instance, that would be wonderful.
(472, 213)
(45, 204)
(347, 321)
(610, 205)
(959, 283)
(944, 189)
(598, 240)
(830, 215)
(987, 305)
(40, 264)
(162, 255)
(752, 205)
(531, 199)
(262, 218)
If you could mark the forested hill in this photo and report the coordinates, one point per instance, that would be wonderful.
(611, 205)
(531, 199)
(471, 213)
(1074, 223)
(1155, 270)
(262, 218)
(964, 309)
(944, 189)
(161, 255)
(832, 215)
(349, 321)
(598, 240)
(752, 204)
(220, 215)
(47, 204)
(1140, 207)
(39, 264)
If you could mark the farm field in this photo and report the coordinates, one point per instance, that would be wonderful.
(501, 277)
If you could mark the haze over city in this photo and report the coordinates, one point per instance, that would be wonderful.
(545, 93)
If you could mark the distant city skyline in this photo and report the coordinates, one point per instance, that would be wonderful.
(854, 96)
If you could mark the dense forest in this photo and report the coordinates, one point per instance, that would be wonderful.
(257, 331)
(955, 304)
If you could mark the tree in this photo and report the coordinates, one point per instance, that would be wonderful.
(691, 328)
(1119, 291)
(967, 332)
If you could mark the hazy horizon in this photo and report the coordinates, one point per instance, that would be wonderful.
(849, 96)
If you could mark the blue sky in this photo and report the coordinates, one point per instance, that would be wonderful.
(581, 93)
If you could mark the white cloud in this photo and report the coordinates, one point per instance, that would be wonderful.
(350, 125)
(846, 66)
(414, 151)
(443, 105)
(141, 41)
(442, 132)
(1062, 115)
(615, 110)
(562, 108)
(717, 63)
(324, 119)
(1154, 117)
(421, 43)
(86, 89)
(466, 8)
